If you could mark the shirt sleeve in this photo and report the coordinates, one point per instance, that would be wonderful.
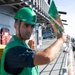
(19, 57)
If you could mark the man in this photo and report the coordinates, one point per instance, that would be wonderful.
(18, 58)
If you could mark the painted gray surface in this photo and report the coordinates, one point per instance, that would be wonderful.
(51, 69)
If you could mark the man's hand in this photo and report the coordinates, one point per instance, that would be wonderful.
(63, 36)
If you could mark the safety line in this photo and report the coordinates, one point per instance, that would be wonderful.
(62, 64)
(54, 64)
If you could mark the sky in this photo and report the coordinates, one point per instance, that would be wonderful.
(69, 7)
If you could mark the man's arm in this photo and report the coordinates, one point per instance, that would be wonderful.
(50, 53)
(55, 29)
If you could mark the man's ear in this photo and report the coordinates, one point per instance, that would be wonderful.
(15, 26)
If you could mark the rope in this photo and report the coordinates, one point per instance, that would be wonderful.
(68, 68)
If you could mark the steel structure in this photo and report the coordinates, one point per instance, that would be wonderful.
(41, 7)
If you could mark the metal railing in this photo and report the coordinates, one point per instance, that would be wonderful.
(68, 68)
(66, 64)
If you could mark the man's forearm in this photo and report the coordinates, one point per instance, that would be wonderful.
(54, 49)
